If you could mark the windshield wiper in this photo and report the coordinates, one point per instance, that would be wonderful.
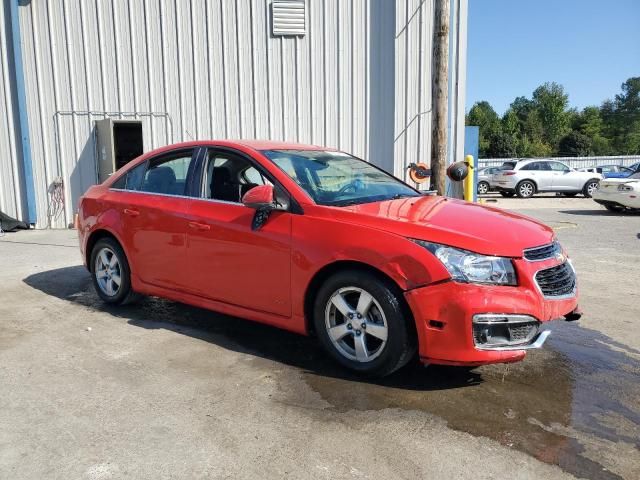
(402, 195)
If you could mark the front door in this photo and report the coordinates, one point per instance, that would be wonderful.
(228, 261)
(563, 179)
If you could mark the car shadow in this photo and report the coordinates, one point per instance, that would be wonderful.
(73, 284)
(600, 213)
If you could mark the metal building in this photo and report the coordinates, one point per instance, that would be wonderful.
(349, 74)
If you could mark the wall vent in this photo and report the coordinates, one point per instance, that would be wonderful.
(288, 17)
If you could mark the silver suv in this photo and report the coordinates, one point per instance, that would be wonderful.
(528, 177)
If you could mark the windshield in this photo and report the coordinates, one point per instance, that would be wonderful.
(338, 179)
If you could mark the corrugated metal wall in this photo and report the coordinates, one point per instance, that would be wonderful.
(358, 80)
(412, 129)
(11, 199)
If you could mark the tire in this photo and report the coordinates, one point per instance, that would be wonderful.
(590, 187)
(614, 208)
(483, 188)
(353, 346)
(105, 272)
(525, 189)
(507, 194)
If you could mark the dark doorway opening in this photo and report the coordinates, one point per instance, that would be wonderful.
(127, 142)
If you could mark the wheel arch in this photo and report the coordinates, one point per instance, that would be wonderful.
(341, 265)
(93, 238)
(535, 184)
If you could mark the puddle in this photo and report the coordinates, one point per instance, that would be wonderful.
(575, 403)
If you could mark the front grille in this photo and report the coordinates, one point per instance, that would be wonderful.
(544, 252)
(557, 281)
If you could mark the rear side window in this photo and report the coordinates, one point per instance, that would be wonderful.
(168, 174)
(537, 166)
(132, 180)
(531, 166)
(508, 166)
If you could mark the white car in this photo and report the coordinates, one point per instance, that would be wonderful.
(525, 178)
(619, 194)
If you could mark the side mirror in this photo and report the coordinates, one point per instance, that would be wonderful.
(259, 198)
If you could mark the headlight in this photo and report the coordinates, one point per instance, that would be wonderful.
(465, 266)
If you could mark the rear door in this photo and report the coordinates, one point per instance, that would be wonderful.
(227, 260)
(154, 208)
(540, 173)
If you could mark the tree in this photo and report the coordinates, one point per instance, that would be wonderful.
(590, 123)
(502, 145)
(575, 144)
(625, 118)
(550, 101)
(544, 125)
(484, 116)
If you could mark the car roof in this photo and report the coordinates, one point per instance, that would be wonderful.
(278, 145)
(249, 143)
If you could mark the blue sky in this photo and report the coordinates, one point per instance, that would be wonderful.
(588, 46)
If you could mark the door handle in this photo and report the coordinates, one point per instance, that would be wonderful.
(131, 212)
(199, 226)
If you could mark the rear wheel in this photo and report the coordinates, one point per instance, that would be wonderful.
(361, 323)
(483, 188)
(110, 272)
(590, 187)
(507, 194)
(525, 189)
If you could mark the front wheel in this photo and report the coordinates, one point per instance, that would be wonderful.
(361, 323)
(483, 188)
(110, 272)
(590, 187)
(525, 189)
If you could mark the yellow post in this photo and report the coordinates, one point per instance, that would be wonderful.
(469, 184)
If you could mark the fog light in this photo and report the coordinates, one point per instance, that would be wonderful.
(503, 330)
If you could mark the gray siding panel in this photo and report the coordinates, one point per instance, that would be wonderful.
(359, 80)
(11, 195)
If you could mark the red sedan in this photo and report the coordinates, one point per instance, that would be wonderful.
(316, 241)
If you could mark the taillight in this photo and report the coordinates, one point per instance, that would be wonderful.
(509, 173)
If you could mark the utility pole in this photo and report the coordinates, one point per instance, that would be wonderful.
(440, 95)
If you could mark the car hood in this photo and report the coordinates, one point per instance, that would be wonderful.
(618, 181)
(469, 226)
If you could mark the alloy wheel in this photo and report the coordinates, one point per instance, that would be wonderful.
(591, 188)
(483, 188)
(356, 324)
(526, 189)
(108, 272)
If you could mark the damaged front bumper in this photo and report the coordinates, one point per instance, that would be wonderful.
(471, 325)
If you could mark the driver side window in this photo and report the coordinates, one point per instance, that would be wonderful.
(558, 167)
(228, 177)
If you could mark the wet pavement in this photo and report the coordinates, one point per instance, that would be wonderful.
(574, 404)
(163, 390)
